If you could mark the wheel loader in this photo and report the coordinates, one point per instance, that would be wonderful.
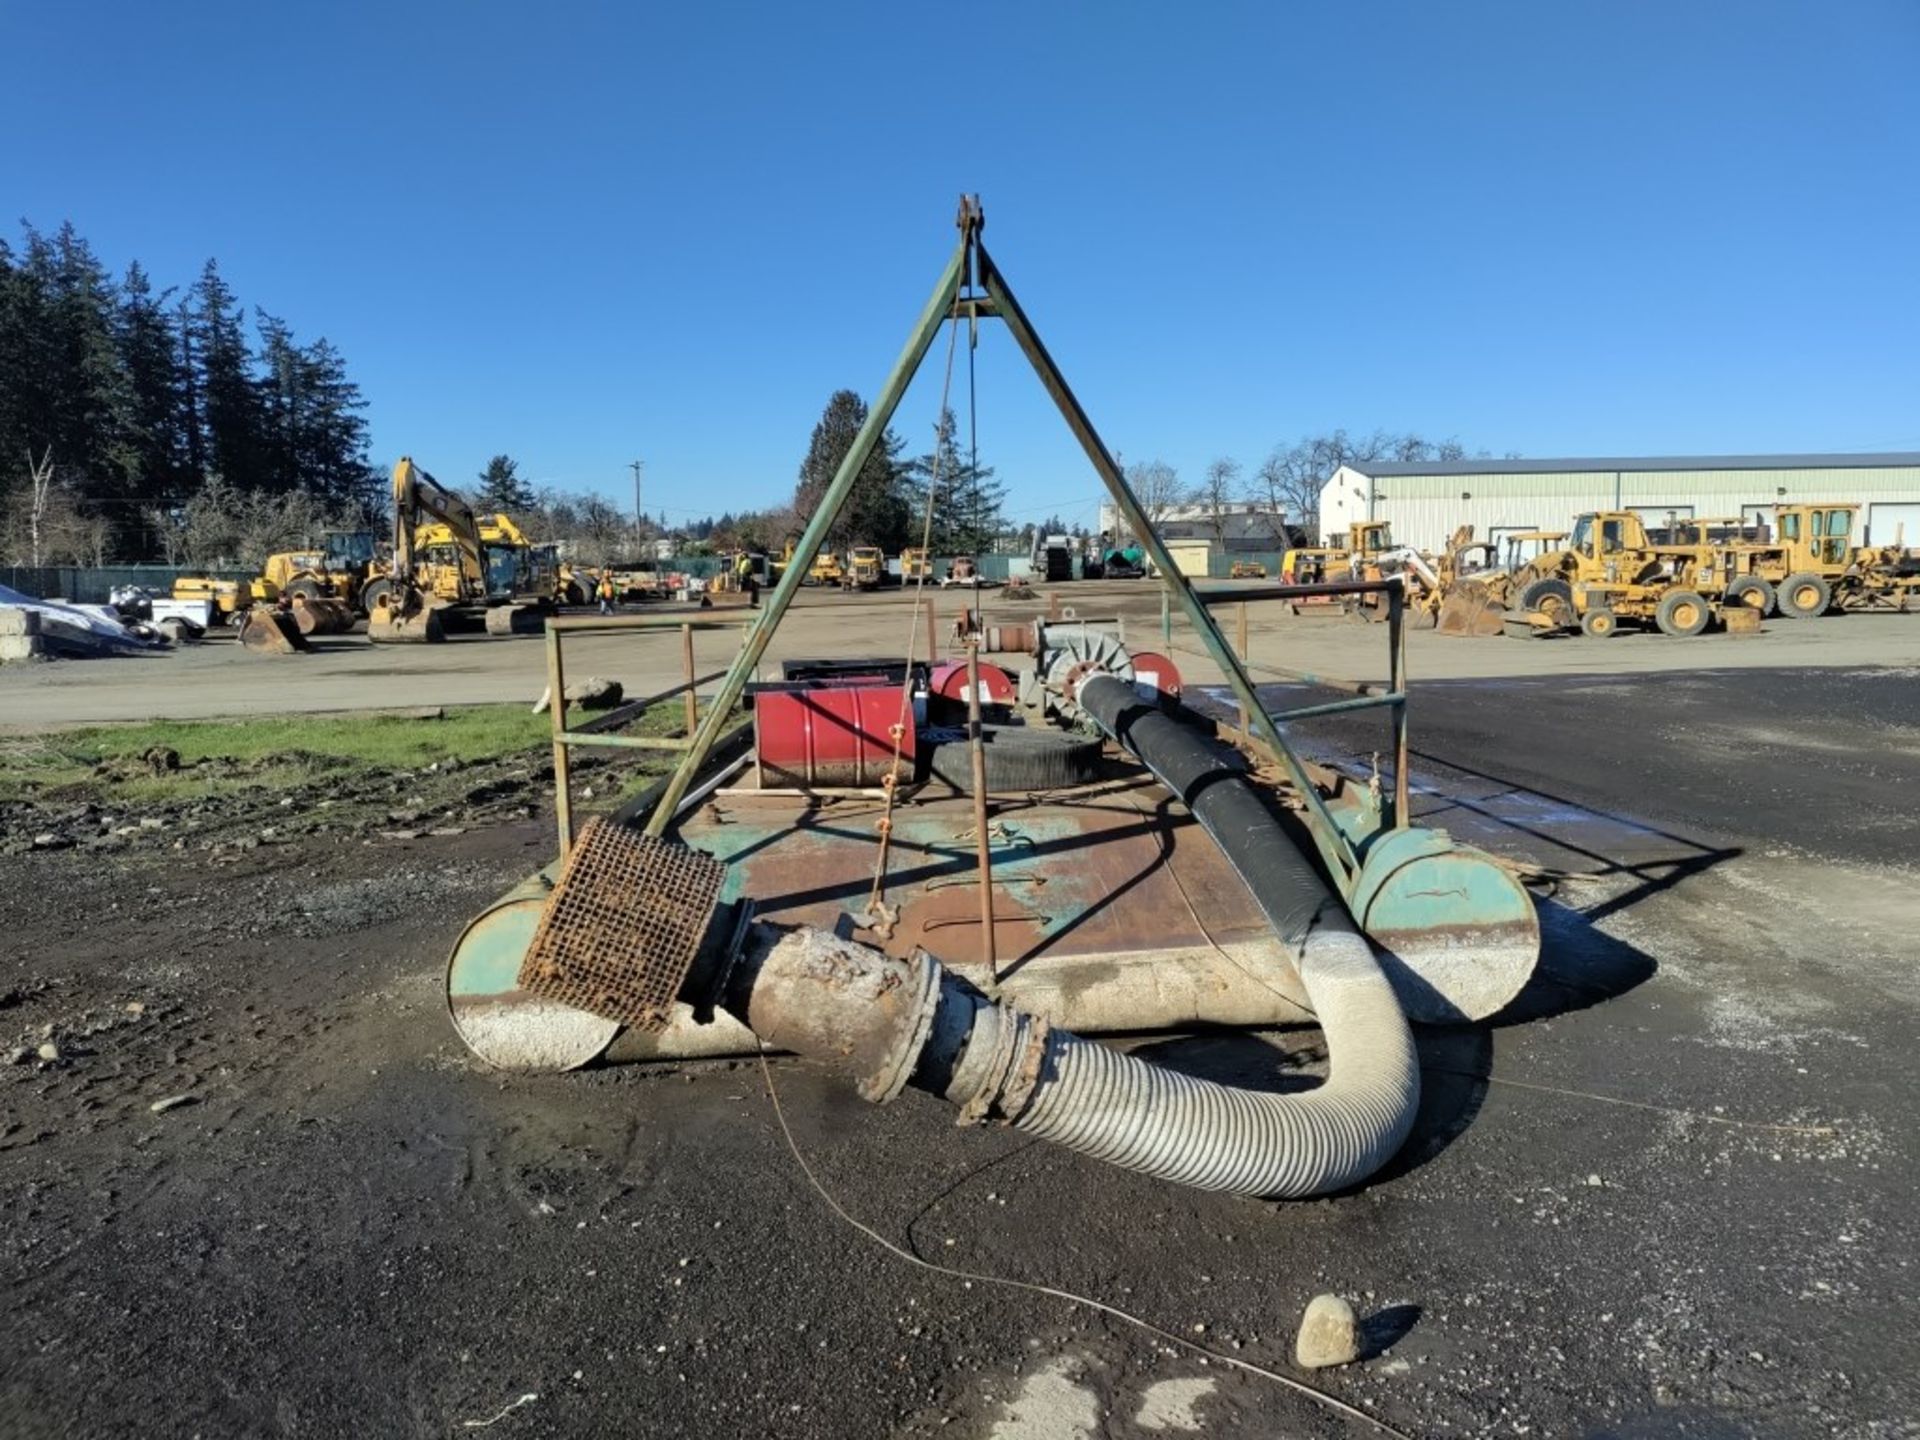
(338, 570)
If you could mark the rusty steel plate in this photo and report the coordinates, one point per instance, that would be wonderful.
(621, 929)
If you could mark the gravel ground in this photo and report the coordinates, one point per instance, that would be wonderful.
(1669, 1194)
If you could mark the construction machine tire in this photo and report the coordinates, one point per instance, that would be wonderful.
(516, 620)
(1682, 613)
(1599, 623)
(306, 588)
(375, 592)
(1020, 759)
(1552, 597)
(271, 632)
(1804, 596)
(1750, 592)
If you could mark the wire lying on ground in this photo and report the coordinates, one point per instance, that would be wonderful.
(1298, 1387)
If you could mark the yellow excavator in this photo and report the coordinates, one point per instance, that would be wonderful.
(447, 561)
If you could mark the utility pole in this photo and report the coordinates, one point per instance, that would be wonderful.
(636, 466)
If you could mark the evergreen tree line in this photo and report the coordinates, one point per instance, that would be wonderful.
(122, 404)
(888, 503)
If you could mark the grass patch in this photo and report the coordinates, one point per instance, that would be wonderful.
(106, 764)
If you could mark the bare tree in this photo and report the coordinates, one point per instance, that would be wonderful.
(1156, 485)
(1290, 479)
(229, 527)
(605, 529)
(40, 492)
(1214, 496)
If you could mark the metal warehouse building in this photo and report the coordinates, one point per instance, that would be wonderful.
(1426, 502)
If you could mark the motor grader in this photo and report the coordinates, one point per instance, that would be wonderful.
(1813, 565)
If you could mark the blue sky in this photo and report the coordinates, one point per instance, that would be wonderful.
(581, 233)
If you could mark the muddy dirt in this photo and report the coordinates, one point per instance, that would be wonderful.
(297, 799)
(260, 1189)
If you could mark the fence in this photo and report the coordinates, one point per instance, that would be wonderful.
(91, 584)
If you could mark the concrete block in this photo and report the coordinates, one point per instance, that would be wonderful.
(15, 621)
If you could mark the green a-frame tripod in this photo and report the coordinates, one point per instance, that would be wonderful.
(1399, 880)
(972, 287)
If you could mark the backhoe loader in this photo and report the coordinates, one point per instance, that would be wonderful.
(1358, 558)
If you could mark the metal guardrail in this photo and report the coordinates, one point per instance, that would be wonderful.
(596, 733)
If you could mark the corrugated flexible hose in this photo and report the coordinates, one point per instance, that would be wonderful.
(1145, 1117)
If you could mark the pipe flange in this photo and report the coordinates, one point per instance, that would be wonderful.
(886, 1082)
(1030, 1066)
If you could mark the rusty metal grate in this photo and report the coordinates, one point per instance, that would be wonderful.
(621, 929)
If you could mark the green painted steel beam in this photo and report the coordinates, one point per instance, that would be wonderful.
(1339, 707)
(754, 643)
(1334, 847)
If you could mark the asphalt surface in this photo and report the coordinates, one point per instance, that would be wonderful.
(1669, 1194)
(219, 679)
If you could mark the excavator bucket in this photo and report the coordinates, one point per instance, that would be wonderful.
(318, 615)
(1470, 609)
(270, 631)
(516, 620)
(415, 623)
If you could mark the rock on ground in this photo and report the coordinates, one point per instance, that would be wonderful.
(1329, 1334)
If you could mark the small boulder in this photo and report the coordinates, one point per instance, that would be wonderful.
(49, 1052)
(51, 840)
(595, 693)
(1329, 1334)
(162, 758)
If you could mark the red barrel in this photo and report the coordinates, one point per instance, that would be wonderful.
(1154, 672)
(839, 735)
(949, 682)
